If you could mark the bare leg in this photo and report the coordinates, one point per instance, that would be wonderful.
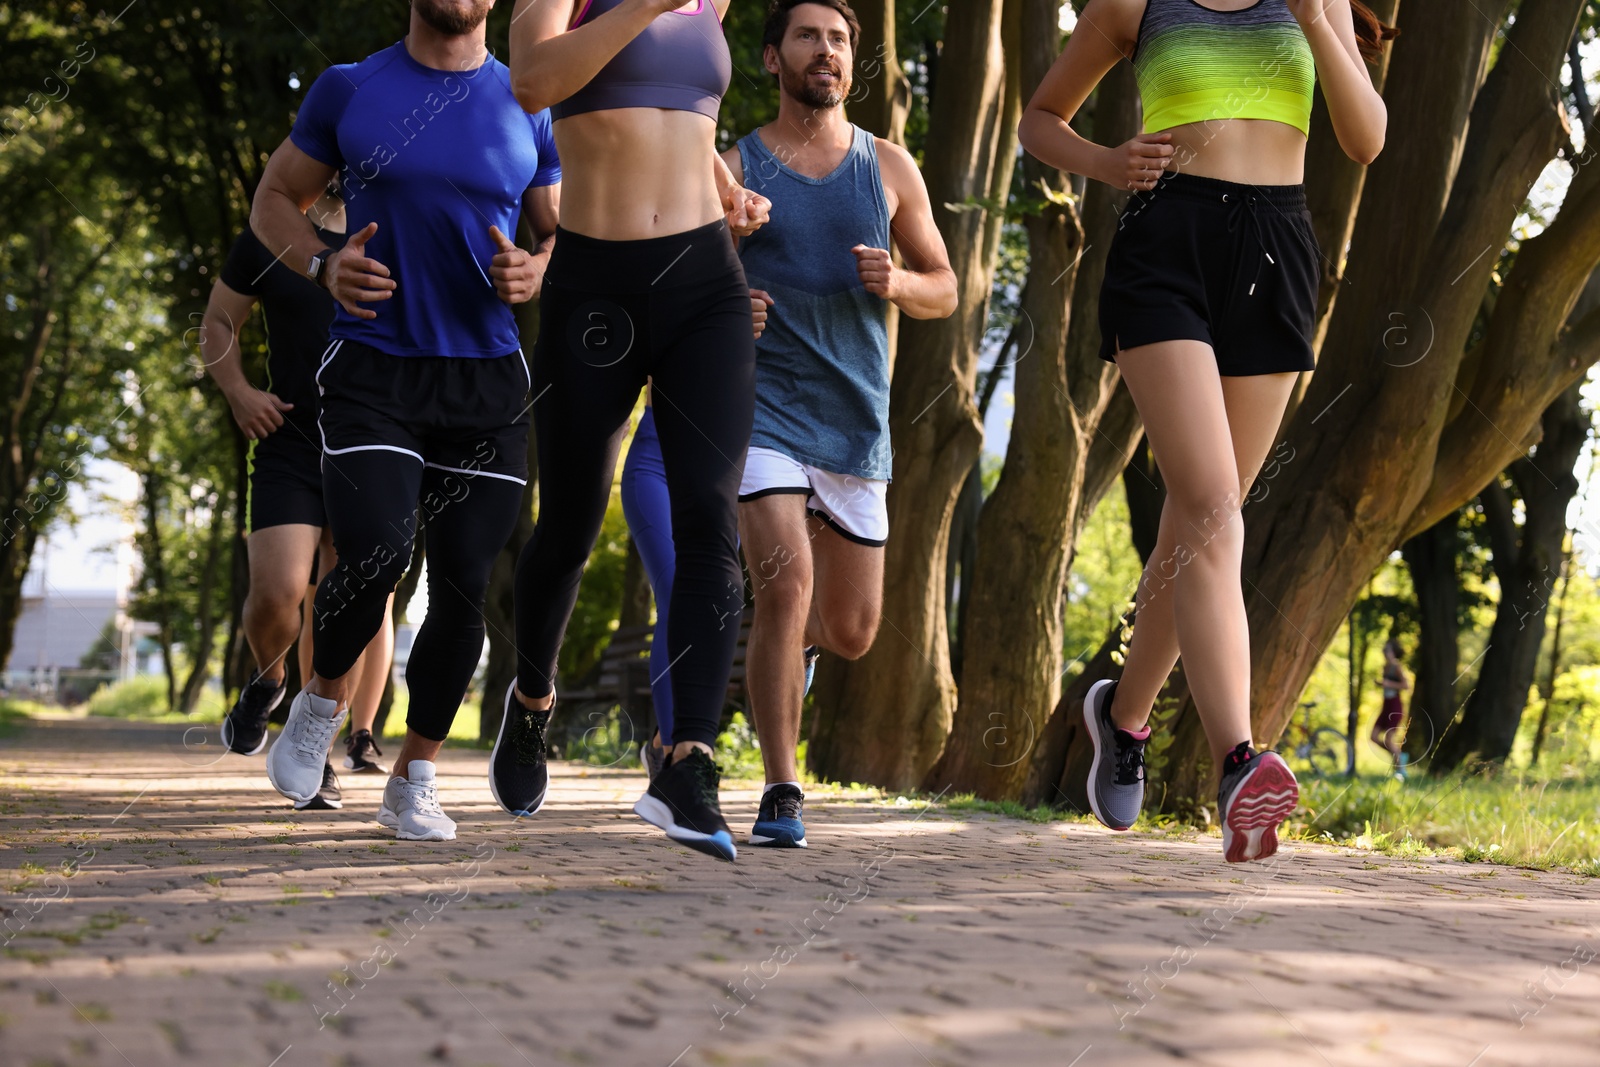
(372, 671)
(280, 562)
(777, 548)
(1210, 436)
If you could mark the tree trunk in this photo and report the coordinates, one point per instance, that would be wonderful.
(883, 718)
(205, 621)
(1547, 692)
(1392, 439)
(636, 597)
(1430, 556)
(1531, 563)
(155, 559)
(1147, 494)
(1012, 676)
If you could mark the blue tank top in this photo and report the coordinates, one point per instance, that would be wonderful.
(822, 365)
(680, 62)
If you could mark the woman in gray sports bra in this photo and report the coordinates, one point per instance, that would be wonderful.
(643, 283)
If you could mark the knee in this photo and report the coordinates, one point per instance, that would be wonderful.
(1207, 511)
(853, 639)
(276, 601)
(785, 596)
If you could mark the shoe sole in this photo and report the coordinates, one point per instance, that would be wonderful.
(1094, 765)
(319, 804)
(390, 821)
(499, 737)
(1266, 797)
(365, 768)
(657, 814)
(778, 839)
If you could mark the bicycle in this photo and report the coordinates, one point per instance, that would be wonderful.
(1326, 750)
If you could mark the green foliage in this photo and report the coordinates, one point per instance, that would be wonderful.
(738, 752)
(144, 698)
(599, 598)
(1105, 574)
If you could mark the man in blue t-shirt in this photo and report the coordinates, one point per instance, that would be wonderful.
(424, 390)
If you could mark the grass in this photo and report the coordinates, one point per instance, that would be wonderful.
(1510, 819)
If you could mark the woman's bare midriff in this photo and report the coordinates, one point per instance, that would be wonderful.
(1248, 151)
(633, 173)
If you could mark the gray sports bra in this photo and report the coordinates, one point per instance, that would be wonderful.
(680, 62)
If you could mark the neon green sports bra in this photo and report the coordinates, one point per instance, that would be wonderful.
(1196, 64)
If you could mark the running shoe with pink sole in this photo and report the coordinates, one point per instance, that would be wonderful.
(1255, 798)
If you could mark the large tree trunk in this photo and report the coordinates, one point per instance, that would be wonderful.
(205, 614)
(1528, 564)
(1547, 691)
(1012, 657)
(1105, 425)
(155, 559)
(883, 718)
(1430, 556)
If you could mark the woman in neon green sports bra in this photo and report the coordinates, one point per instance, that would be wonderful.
(1207, 308)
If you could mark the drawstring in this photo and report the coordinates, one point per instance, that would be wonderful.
(1243, 212)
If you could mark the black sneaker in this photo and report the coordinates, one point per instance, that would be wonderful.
(683, 802)
(244, 730)
(360, 752)
(327, 797)
(518, 775)
(778, 821)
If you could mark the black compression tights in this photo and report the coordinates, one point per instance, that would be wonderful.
(676, 309)
(374, 502)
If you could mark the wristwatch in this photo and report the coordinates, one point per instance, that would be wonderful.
(314, 269)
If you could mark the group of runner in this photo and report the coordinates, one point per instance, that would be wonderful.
(747, 293)
(658, 269)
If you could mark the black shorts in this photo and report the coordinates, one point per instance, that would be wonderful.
(286, 478)
(1235, 266)
(449, 413)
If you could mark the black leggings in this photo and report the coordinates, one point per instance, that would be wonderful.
(677, 310)
(375, 501)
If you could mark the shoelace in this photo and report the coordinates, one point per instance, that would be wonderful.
(786, 805)
(527, 738)
(360, 742)
(704, 778)
(1130, 762)
(424, 797)
(313, 735)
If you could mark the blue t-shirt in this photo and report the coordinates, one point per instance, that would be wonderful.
(435, 158)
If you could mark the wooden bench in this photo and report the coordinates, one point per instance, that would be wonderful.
(623, 677)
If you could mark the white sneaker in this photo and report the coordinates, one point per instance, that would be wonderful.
(296, 759)
(411, 807)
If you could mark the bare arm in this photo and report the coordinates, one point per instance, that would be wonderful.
(1106, 33)
(290, 184)
(1360, 118)
(926, 287)
(545, 70)
(258, 413)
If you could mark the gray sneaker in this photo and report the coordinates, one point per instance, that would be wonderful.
(1116, 777)
(411, 806)
(296, 758)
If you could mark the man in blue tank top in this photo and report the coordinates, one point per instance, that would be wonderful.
(812, 513)
(424, 391)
